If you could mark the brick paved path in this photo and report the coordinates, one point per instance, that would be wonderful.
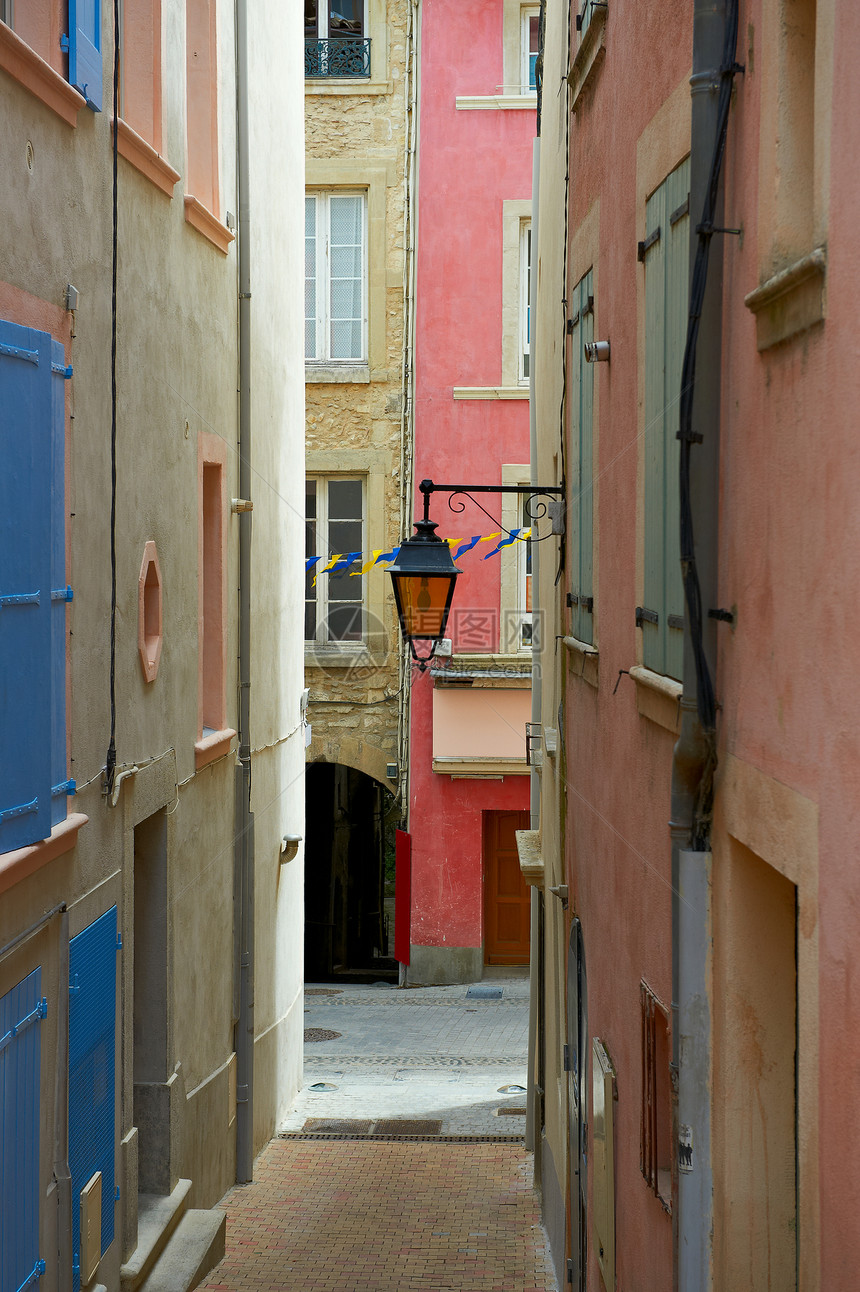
(384, 1216)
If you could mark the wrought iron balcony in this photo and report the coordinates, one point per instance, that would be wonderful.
(344, 56)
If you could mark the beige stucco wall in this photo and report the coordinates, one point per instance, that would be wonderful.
(177, 361)
(355, 136)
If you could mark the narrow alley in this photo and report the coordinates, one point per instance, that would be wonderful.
(401, 1163)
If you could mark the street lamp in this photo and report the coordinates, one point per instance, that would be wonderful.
(424, 573)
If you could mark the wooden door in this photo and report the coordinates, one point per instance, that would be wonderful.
(507, 903)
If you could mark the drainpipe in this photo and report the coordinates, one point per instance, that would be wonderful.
(244, 846)
(535, 984)
(695, 752)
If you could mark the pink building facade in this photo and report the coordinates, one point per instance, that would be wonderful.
(469, 786)
(698, 1058)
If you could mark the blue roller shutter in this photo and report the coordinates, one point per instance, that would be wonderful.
(92, 1061)
(21, 1012)
(85, 50)
(25, 586)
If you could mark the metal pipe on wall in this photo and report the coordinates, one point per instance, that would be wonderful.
(694, 752)
(244, 847)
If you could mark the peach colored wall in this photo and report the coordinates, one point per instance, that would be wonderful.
(790, 561)
(480, 723)
(40, 23)
(212, 583)
(202, 101)
(470, 162)
(141, 69)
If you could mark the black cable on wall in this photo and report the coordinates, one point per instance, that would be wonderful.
(110, 759)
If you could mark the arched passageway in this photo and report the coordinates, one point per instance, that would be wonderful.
(350, 834)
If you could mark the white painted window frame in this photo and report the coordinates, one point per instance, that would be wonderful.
(524, 614)
(322, 198)
(526, 12)
(523, 349)
(323, 7)
(321, 638)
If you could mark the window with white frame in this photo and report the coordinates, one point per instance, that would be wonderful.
(525, 302)
(334, 602)
(336, 277)
(334, 18)
(529, 39)
(524, 581)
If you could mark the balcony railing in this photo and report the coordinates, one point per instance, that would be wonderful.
(340, 56)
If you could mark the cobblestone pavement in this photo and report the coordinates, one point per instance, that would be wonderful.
(383, 1216)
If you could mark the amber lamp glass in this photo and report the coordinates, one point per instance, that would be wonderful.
(423, 577)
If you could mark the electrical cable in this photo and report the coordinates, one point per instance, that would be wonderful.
(705, 695)
(110, 758)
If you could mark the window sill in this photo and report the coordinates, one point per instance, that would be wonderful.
(483, 769)
(37, 76)
(201, 219)
(144, 158)
(505, 102)
(490, 392)
(321, 375)
(17, 865)
(790, 302)
(501, 672)
(325, 89)
(658, 698)
(211, 747)
(357, 657)
(588, 57)
(531, 857)
(587, 658)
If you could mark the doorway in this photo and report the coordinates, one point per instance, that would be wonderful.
(151, 978)
(350, 831)
(507, 902)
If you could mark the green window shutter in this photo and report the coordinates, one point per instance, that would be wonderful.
(582, 463)
(666, 252)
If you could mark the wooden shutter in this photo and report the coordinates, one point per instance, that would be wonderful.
(92, 1061)
(25, 585)
(61, 594)
(21, 1012)
(666, 255)
(85, 50)
(582, 462)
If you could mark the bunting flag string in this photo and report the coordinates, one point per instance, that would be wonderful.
(343, 562)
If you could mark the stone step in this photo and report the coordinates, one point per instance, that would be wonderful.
(196, 1247)
(157, 1218)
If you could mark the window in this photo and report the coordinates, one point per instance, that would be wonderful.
(140, 68)
(33, 591)
(202, 202)
(584, 16)
(524, 580)
(212, 696)
(525, 300)
(44, 28)
(665, 252)
(582, 462)
(22, 1010)
(336, 43)
(335, 278)
(334, 603)
(655, 1157)
(92, 1074)
(529, 48)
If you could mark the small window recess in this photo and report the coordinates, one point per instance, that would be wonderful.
(149, 613)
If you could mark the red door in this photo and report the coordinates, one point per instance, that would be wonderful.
(507, 904)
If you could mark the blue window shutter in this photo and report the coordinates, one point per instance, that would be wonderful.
(59, 591)
(92, 1062)
(25, 586)
(85, 50)
(21, 1011)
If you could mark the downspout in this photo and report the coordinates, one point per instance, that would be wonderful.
(536, 951)
(694, 762)
(244, 846)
